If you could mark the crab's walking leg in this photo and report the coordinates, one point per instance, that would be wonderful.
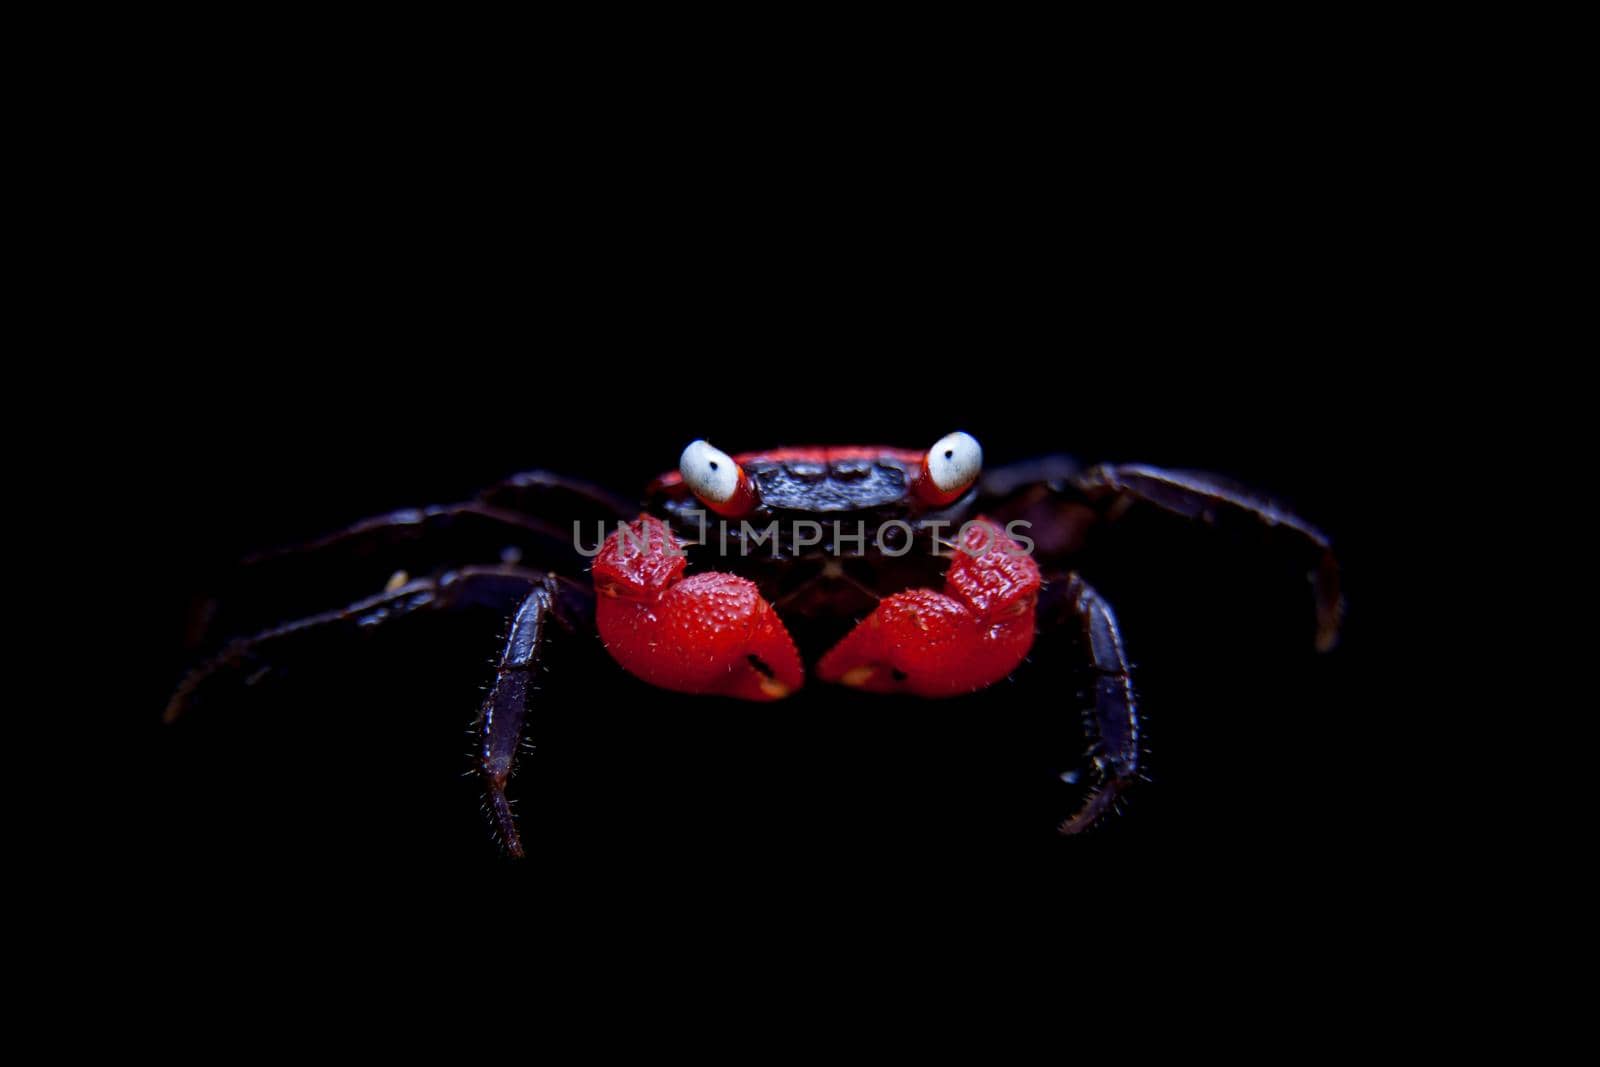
(417, 524)
(1209, 499)
(534, 502)
(540, 519)
(501, 720)
(488, 586)
(341, 566)
(544, 493)
(1113, 714)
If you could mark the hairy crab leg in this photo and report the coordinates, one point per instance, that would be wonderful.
(544, 493)
(484, 586)
(1063, 502)
(535, 518)
(1113, 714)
(415, 524)
(343, 566)
(1210, 499)
(502, 719)
(536, 502)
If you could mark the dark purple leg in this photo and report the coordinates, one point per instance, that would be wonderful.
(543, 493)
(533, 502)
(1063, 503)
(1042, 493)
(486, 586)
(415, 524)
(1209, 499)
(1113, 715)
(529, 519)
(501, 720)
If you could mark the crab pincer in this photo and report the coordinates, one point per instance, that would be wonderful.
(710, 633)
(940, 644)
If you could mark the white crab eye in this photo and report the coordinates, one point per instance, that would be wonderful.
(955, 461)
(713, 475)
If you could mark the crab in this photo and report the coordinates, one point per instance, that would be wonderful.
(751, 576)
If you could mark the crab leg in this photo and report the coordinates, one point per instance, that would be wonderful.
(503, 715)
(530, 515)
(544, 493)
(466, 528)
(1208, 499)
(534, 502)
(486, 586)
(344, 566)
(1113, 715)
(1062, 503)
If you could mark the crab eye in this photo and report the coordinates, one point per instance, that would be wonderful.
(713, 475)
(716, 479)
(954, 463)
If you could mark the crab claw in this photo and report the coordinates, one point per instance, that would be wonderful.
(709, 633)
(934, 644)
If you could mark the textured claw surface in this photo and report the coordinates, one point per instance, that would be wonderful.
(935, 644)
(990, 571)
(708, 633)
(644, 560)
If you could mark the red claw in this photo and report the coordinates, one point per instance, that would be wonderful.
(709, 633)
(943, 644)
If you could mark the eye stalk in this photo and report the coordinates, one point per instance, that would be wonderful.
(949, 469)
(716, 480)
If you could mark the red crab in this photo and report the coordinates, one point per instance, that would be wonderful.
(887, 570)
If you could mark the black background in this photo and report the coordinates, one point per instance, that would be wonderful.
(347, 365)
(287, 305)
